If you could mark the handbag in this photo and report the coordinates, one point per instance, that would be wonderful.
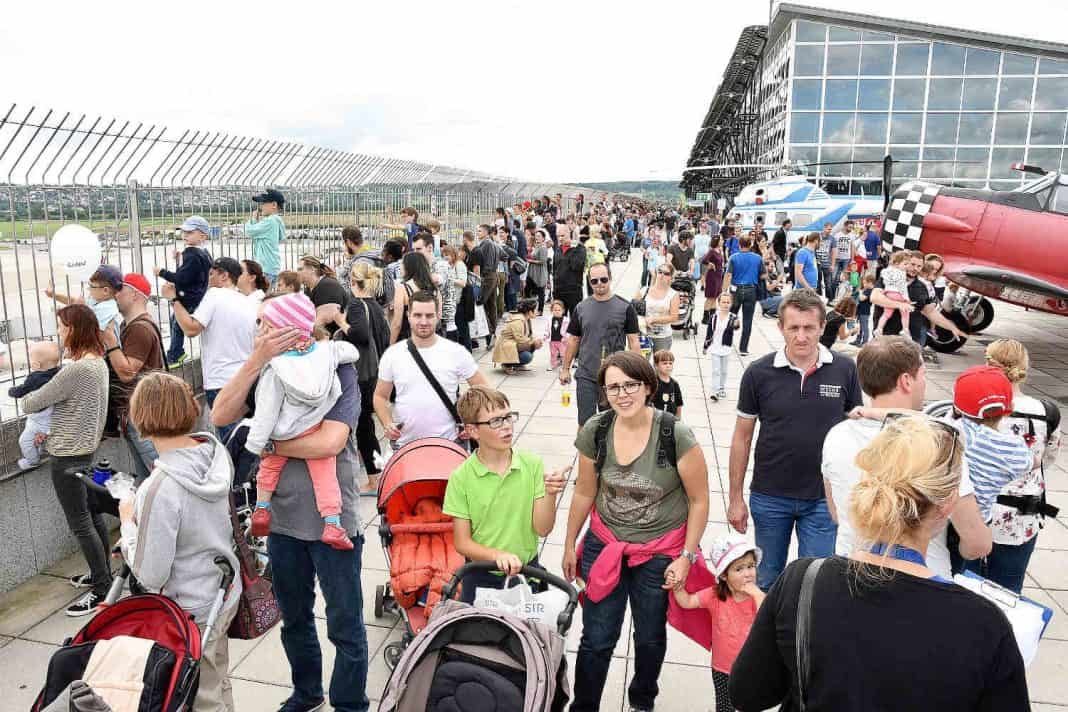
(257, 609)
(803, 632)
(639, 304)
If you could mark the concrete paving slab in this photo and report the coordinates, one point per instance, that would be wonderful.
(33, 601)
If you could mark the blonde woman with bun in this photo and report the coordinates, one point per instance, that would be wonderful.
(885, 631)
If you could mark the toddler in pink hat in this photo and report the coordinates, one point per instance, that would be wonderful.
(295, 392)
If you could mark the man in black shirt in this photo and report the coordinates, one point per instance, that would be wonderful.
(924, 308)
(778, 242)
(569, 264)
(682, 253)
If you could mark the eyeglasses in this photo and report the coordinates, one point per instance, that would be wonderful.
(953, 433)
(600, 280)
(500, 421)
(612, 390)
(666, 273)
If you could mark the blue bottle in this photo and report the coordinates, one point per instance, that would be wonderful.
(102, 472)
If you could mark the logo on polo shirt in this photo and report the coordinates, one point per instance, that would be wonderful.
(829, 390)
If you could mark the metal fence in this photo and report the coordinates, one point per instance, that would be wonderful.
(134, 184)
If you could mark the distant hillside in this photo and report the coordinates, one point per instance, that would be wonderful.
(655, 189)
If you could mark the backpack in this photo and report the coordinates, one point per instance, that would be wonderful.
(516, 264)
(665, 447)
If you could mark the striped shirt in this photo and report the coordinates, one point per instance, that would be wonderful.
(79, 393)
(994, 460)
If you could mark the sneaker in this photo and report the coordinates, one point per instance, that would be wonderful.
(743, 353)
(81, 581)
(722, 394)
(336, 537)
(294, 705)
(261, 522)
(713, 396)
(177, 363)
(86, 605)
(632, 708)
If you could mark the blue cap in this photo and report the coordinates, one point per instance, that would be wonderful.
(195, 222)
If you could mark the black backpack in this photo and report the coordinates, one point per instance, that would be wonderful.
(665, 447)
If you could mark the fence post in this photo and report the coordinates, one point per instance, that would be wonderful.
(135, 226)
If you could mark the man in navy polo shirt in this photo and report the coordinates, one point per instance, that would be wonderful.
(799, 393)
(744, 271)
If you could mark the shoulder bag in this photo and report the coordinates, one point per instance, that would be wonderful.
(445, 400)
(803, 633)
(257, 608)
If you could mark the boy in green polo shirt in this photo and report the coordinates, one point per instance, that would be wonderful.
(500, 498)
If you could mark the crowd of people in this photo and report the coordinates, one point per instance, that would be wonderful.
(887, 503)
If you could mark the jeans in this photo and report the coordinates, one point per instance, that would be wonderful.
(484, 579)
(588, 397)
(142, 453)
(774, 519)
(86, 523)
(366, 442)
(602, 623)
(770, 305)
(463, 328)
(839, 270)
(1005, 565)
(525, 357)
(31, 452)
(339, 578)
(720, 366)
(864, 320)
(511, 296)
(745, 300)
(223, 431)
(489, 296)
(661, 343)
(177, 347)
(830, 284)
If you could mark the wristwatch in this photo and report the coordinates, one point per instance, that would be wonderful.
(268, 449)
(690, 556)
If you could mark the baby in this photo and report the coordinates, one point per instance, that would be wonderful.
(295, 391)
(44, 363)
(895, 287)
(103, 285)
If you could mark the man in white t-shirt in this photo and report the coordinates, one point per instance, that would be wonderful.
(419, 410)
(893, 375)
(225, 320)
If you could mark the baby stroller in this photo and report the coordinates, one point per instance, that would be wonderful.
(172, 664)
(416, 535)
(619, 250)
(687, 290)
(471, 658)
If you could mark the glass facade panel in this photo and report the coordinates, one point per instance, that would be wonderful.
(941, 128)
(874, 95)
(1048, 158)
(944, 94)
(1052, 66)
(804, 154)
(972, 162)
(838, 128)
(844, 34)
(982, 61)
(841, 94)
(1015, 94)
(835, 154)
(807, 93)
(979, 93)
(811, 31)
(877, 36)
(1048, 128)
(975, 128)
(1011, 128)
(1051, 93)
(876, 60)
(906, 128)
(937, 163)
(871, 128)
(843, 60)
(947, 59)
(908, 93)
(804, 127)
(1002, 159)
(908, 155)
(808, 60)
(912, 59)
(1017, 64)
(873, 157)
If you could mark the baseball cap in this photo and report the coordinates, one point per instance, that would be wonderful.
(139, 282)
(229, 265)
(982, 392)
(110, 275)
(729, 549)
(270, 196)
(194, 223)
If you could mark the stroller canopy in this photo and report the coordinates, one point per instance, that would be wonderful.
(419, 469)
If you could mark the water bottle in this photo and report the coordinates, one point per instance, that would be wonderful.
(565, 398)
(102, 472)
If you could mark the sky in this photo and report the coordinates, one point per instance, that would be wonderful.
(582, 90)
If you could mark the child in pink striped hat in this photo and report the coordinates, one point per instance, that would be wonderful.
(295, 392)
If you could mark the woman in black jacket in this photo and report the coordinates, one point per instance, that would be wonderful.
(885, 632)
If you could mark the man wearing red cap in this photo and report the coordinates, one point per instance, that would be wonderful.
(982, 396)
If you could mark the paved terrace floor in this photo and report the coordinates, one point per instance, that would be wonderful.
(32, 622)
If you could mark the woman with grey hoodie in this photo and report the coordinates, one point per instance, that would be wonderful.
(179, 521)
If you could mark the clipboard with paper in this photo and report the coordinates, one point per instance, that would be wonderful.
(1028, 618)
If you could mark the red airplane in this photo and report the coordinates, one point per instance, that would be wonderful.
(1005, 245)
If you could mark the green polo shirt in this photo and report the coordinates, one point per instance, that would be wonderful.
(500, 509)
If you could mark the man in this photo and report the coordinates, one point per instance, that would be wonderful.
(294, 546)
(355, 247)
(730, 243)
(600, 325)
(806, 269)
(226, 323)
(569, 266)
(758, 229)
(893, 375)
(779, 241)
(508, 282)
(844, 247)
(387, 259)
(439, 267)
(873, 245)
(714, 224)
(682, 254)
(744, 272)
(799, 393)
(137, 351)
(266, 230)
(769, 294)
(488, 258)
(420, 412)
(924, 307)
(549, 223)
(826, 256)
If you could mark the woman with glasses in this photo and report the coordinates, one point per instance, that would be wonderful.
(643, 485)
(516, 344)
(661, 307)
(884, 631)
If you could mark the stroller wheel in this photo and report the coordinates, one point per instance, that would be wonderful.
(380, 600)
(392, 654)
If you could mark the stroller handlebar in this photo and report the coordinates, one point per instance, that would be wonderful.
(563, 622)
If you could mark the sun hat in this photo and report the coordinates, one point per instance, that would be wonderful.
(294, 310)
(725, 551)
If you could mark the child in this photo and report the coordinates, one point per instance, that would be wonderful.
(500, 498)
(103, 285)
(867, 283)
(44, 363)
(851, 281)
(837, 325)
(556, 333)
(296, 389)
(895, 287)
(718, 338)
(668, 396)
(190, 280)
(732, 604)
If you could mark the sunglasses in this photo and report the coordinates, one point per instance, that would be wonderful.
(600, 280)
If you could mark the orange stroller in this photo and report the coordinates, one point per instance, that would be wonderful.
(416, 535)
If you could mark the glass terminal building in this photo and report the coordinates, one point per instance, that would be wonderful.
(822, 86)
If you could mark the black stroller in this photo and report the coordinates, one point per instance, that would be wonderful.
(619, 250)
(687, 290)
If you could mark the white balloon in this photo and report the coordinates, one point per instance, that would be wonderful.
(75, 251)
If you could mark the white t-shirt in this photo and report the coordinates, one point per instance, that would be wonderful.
(229, 321)
(418, 406)
(840, 449)
(256, 297)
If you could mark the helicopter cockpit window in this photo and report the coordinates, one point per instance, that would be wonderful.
(778, 219)
(1060, 200)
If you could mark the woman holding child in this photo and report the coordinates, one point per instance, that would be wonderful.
(643, 484)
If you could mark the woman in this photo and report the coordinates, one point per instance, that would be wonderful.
(321, 285)
(516, 345)
(417, 278)
(656, 509)
(178, 523)
(252, 282)
(538, 268)
(462, 300)
(957, 650)
(661, 308)
(79, 394)
(713, 262)
(364, 325)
